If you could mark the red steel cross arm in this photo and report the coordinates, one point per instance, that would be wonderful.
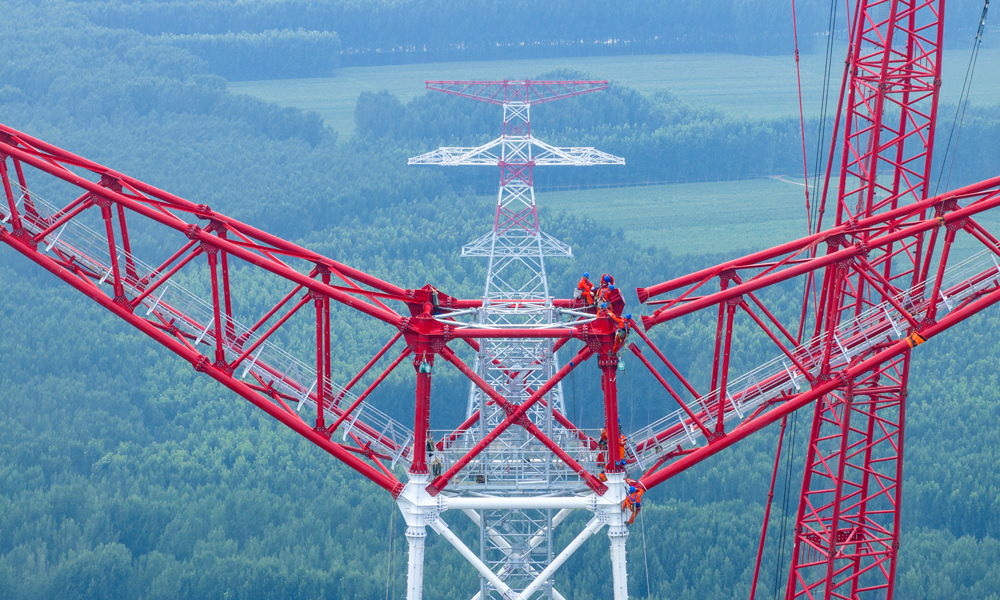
(798, 401)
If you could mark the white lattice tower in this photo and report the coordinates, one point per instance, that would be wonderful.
(516, 544)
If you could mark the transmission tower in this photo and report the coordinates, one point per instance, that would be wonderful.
(517, 543)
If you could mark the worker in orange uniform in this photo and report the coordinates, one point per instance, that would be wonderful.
(624, 328)
(602, 445)
(585, 290)
(633, 499)
(607, 284)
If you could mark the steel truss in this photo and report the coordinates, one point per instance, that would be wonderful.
(881, 281)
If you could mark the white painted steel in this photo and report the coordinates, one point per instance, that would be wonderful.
(415, 537)
(617, 534)
(518, 502)
(592, 527)
(441, 528)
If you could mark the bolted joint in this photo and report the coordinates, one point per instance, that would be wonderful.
(192, 231)
(956, 225)
(863, 247)
(208, 249)
(201, 365)
(607, 359)
(203, 211)
(223, 366)
(734, 302)
(111, 182)
(843, 378)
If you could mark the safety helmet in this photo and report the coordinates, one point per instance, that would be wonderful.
(604, 304)
(628, 316)
(607, 279)
(586, 274)
(611, 287)
(631, 489)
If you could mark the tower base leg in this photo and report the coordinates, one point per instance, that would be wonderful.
(618, 534)
(415, 537)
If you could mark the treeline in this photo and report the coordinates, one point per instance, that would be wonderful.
(661, 137)
(111, 75)
(272, 54)
(392, 31)
(401, 31)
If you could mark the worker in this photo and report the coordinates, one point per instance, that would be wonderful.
(585, 290)
(436, 467)
(430, 444)
(624, 328)
(602, 445)
(622, 443)
(633, 499)
(607, 284)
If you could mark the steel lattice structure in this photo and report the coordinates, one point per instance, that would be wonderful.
(517, 294)
(881, 281)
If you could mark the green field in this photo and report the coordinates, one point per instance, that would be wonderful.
(737, 84)
(693, 218)
(725, 217)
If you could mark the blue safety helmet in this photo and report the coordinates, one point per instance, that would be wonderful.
(628, 316)
(622, 462)
(604, 304)
(611, 287)
(631, 489)
(586, 274)
(607, 279)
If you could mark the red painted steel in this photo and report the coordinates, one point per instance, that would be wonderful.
(214, 342)
(510, 91)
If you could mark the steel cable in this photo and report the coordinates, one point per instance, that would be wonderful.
(963, 101)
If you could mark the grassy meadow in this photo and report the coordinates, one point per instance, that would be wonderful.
(693, 218)
(761, 86)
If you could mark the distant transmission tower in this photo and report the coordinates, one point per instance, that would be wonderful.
(516, 542)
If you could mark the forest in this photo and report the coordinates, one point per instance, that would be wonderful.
(125, 474)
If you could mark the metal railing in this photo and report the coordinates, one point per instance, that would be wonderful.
(779, 376)
(178, 307)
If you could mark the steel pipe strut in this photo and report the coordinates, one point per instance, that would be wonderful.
(592, 527)
(441, 528)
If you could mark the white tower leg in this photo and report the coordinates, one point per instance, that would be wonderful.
(415, 536)
(617, 533)
(413, 503)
